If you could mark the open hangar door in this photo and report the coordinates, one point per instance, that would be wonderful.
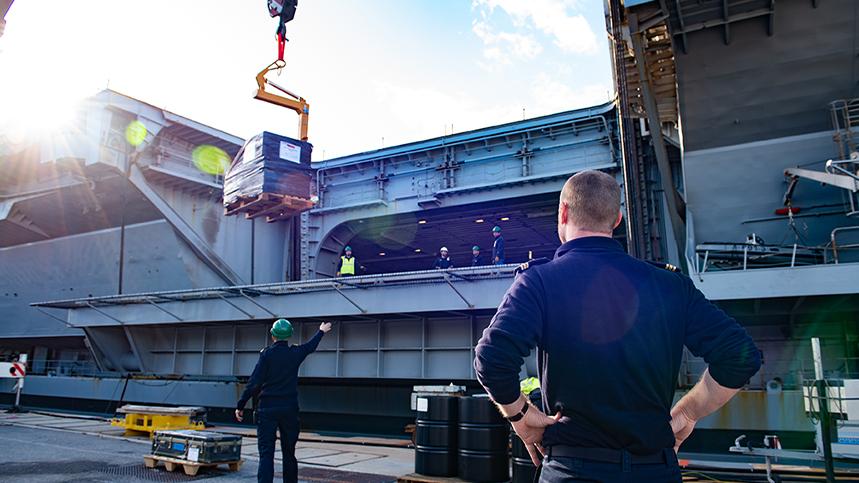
(410, 242)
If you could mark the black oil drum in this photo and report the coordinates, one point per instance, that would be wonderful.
(435, 436)
(523, 469)
(483, 441)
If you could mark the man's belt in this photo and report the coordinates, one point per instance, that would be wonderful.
(606, 455)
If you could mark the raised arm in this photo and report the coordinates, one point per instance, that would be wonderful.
(310, 346)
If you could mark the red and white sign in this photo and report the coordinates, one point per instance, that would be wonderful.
(15, 370)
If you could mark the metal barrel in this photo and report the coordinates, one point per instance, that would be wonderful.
(435, 436)
(483, 441)
(523, 469)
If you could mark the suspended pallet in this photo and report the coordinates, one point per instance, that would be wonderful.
(272, 206)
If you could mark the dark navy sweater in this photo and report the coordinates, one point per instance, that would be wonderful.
(610, 331)
(498, 251)
(275, 377)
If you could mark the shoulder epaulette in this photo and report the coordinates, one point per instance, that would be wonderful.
(664, 266)
(530, 263)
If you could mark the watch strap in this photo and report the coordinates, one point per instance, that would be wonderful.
(521, 414)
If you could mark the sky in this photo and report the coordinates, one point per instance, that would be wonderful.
(376, 73)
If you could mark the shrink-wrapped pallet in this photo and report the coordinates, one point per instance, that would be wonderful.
(272, 164)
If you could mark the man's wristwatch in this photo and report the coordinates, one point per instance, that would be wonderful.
(520, 414)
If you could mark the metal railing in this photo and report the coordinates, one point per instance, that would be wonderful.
(63, 367)
(833, 242)
(750, 256)
(336, 284)
(845, 118)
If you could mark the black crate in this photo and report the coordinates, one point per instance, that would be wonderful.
(198, 446)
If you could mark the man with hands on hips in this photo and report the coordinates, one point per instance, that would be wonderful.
(609, 331)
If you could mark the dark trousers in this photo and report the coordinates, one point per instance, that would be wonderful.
(269, 421)
(563, 469)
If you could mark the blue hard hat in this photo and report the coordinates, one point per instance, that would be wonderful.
(475, 247)
(496, 229)
(347, 249)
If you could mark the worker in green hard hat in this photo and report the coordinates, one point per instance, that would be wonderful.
(476, 259)
(275, 381)
(347, 263)
(497, 246)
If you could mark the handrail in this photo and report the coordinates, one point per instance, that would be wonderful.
(285, 288)
(833, 236)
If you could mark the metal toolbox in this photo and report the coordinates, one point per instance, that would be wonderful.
(198, 446)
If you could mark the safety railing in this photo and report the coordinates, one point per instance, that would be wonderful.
(63, 367)
(710, 257)
(833, 242)
(337, 284)
(788, 373)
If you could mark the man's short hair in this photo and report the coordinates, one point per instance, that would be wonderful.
(593, 199)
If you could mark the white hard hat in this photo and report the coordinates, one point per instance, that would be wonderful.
(443, 249)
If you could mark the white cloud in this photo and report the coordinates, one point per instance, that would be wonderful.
(501, 47)
(551, 95)
(418, 112)
(556, 18)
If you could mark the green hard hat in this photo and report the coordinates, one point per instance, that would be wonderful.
(496, 228)
(281, 329)
(347, 249)
(475, 248)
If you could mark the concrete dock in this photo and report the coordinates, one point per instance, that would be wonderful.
(52, 447)
(43, 446)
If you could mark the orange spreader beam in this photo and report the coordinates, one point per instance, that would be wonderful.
(293, 101)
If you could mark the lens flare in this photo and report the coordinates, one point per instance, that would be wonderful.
(210, 159)
(135, 133)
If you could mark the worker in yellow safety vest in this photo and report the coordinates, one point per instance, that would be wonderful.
(347, 264)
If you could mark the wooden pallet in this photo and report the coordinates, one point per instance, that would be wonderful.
(189, 467)
(272, 206)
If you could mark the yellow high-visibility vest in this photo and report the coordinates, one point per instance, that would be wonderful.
(347, 266)
(527, 386)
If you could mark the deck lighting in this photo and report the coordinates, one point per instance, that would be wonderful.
(479, 220)
(422, 222)
(417, 250)
(506, 218)
(381, 254)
